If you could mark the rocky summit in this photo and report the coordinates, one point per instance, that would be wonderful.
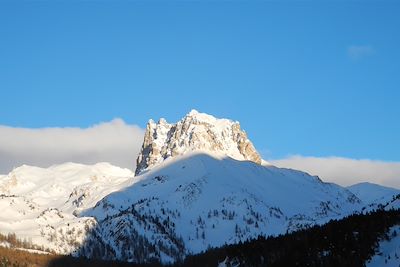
(194, 132)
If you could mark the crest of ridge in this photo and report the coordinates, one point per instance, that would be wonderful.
(194, 132)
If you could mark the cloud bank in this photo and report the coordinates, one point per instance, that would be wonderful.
(115, 142)
(119, 143)
(345, 171)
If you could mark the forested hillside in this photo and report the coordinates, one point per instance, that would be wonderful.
(348, 242)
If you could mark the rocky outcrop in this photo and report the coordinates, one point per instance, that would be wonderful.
(196, 131)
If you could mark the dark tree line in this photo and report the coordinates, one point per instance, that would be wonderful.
(347, 242)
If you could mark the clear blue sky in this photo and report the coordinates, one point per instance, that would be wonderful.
(309, 78)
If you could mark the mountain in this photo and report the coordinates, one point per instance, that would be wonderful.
(371, 193)
(191, 202)
(42, 204)
(195, 131)
(199, 183)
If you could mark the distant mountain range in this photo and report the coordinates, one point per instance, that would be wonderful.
(199, 183)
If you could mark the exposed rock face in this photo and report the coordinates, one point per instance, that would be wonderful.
(196, 131)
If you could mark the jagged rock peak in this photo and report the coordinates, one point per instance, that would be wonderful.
(195, 131)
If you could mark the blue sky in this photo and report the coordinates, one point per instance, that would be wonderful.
(316, 79)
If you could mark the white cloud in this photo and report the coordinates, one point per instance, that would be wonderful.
(357, 52)
(345, 171)
(119, 143)
(115, 142)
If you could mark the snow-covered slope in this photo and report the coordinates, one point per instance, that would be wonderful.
(195, 131)
(191, 202)
(394, 203)
(373, 193)
(388, 251)
(184, 205)
(43, 204)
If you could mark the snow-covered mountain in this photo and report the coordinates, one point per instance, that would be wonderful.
(42, 204)
(195, 131)
(371, 193)
(199, 183)
(191, 202)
